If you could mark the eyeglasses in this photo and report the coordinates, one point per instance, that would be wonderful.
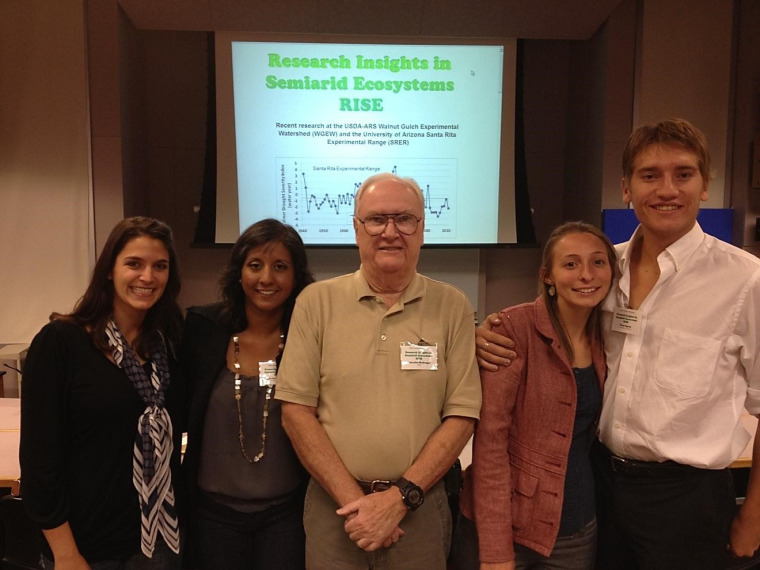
(375, 225)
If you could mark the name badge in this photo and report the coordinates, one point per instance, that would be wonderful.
(268, 373)
(419, 356)
(627, 321)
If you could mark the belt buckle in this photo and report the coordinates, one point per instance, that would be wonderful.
(619, 464)
(379, 485)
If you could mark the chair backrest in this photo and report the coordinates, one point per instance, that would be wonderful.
(21, 538)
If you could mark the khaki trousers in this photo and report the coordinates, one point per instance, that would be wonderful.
(425, 543)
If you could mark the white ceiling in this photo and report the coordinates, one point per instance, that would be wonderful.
(535, 19)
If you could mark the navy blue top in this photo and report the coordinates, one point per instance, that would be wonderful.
(578, 507)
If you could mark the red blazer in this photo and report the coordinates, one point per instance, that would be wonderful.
(515, 485)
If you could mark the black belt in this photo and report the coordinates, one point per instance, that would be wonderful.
(375, 486)
(638, 468)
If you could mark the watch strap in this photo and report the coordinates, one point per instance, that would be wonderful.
(411, 493)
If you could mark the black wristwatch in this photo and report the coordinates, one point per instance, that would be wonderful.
(411, 494)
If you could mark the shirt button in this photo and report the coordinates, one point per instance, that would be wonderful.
(622, 390)
(629, 355)
(617, 426)
(383, 337)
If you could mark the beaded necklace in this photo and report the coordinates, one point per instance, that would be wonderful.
(238, 396)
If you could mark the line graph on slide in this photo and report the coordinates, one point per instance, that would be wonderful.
(317, 194)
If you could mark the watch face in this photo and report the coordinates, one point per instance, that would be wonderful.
(411, 493)
(415, 496)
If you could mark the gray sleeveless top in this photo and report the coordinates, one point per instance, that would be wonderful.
(228, 477)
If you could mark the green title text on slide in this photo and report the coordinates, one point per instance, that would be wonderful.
(358, 82)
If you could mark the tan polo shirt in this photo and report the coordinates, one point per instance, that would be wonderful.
(343, 356)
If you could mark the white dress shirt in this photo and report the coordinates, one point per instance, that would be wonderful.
(676, 388)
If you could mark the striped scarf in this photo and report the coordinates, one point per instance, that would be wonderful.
(153, 445)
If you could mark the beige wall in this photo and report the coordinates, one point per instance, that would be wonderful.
(578, 98)
(685, 71)
(147, 90)
(745, 123)
(44, 163)
(102, 28)
(581, 99)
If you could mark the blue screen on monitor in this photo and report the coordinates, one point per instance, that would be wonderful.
(619, 224)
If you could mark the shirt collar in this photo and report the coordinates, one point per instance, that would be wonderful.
(415, 289)
(682, 249)
(678, 251)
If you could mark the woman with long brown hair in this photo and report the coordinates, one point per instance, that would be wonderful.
(101, 412)
(530, 489)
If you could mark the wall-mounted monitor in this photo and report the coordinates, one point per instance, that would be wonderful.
(301, 122)
(619, 224)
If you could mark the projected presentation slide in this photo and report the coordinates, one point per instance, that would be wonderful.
(313, 120)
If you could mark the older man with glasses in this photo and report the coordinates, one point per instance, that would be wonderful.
(380, 393)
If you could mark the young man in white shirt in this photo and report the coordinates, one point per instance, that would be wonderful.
(682, 340)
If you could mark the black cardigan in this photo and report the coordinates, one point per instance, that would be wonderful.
(203, 355)
(79, 415)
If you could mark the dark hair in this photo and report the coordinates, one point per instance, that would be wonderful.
(95, 308)
(593, 325)
(673, 132)
(260, 233)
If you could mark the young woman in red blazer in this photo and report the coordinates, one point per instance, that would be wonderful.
(530, 490)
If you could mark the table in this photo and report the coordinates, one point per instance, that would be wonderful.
(12, 357)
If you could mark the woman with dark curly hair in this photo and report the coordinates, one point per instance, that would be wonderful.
(101, 412)
(246, 483)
